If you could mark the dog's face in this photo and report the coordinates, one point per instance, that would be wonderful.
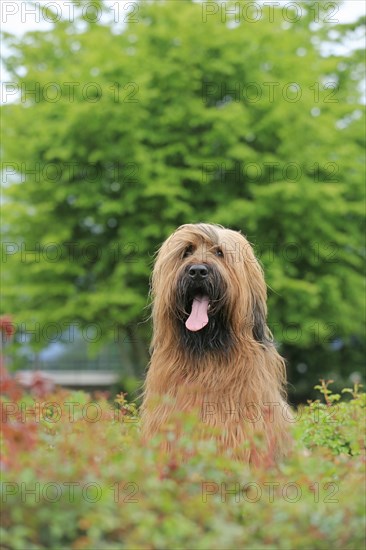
(208, 282)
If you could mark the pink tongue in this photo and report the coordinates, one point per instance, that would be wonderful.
(198, 317)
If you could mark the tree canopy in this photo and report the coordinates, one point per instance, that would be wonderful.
(185, 113)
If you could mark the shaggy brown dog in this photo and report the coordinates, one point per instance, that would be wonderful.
(212, 350)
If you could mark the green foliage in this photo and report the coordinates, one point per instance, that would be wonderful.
(77, 476)
(334, 424)
(178, 118)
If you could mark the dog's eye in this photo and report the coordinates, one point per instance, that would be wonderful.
(219, 252)
(188, 251)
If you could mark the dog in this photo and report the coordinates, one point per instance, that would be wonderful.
(212, 351)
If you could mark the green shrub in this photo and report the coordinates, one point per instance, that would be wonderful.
(76, 475)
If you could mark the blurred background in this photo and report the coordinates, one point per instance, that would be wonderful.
(123, 120)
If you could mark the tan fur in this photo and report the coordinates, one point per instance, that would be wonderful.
(241, 393)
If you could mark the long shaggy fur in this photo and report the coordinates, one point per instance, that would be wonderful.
(229, 371)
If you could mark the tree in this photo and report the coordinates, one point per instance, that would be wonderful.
(183, 115)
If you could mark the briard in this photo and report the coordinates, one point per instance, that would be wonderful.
(212, 351)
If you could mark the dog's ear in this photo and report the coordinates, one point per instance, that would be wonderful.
(261, 332)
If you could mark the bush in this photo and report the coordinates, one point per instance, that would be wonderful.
(76, 475)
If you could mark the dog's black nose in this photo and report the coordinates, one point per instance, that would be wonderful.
(198, 271)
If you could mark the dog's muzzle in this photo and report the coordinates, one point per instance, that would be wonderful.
(198, 317)
(197, 278)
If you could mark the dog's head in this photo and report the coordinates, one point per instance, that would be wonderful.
(208, 282)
